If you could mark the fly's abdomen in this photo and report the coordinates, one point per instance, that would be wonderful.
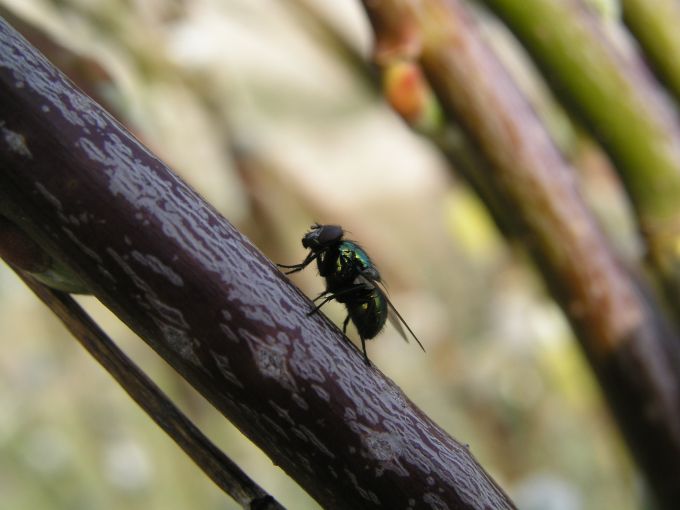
(368, 313)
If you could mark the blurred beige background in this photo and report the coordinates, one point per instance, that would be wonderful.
(267, 109)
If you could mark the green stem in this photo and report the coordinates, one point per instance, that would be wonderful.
(620, 103)
(655, 25)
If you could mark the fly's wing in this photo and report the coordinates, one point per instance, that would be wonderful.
(396, 323)
(393, 315)
(397, 320)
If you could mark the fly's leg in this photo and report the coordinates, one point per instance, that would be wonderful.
(344, 332)
(329, 296)
(299, 267)
(318, 307)
(363, 347)
(293, 269)
(323, 294)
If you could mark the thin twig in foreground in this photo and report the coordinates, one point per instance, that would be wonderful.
(214, 463)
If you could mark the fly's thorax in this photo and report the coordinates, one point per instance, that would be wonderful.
(340, 264)
(355, 260)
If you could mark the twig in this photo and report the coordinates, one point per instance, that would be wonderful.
(212, 461)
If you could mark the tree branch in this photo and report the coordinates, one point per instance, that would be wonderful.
(213, 306)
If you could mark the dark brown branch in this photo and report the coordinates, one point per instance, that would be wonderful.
(214, 463)
(213, 306)
(84, 70)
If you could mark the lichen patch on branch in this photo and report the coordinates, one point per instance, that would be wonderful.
(16, 142)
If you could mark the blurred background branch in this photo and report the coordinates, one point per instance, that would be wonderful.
(612, 91)
(654, 25)
(619, 325)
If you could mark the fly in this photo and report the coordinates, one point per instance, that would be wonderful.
(351, 279)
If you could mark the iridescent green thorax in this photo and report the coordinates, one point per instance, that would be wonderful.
(351, 254)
